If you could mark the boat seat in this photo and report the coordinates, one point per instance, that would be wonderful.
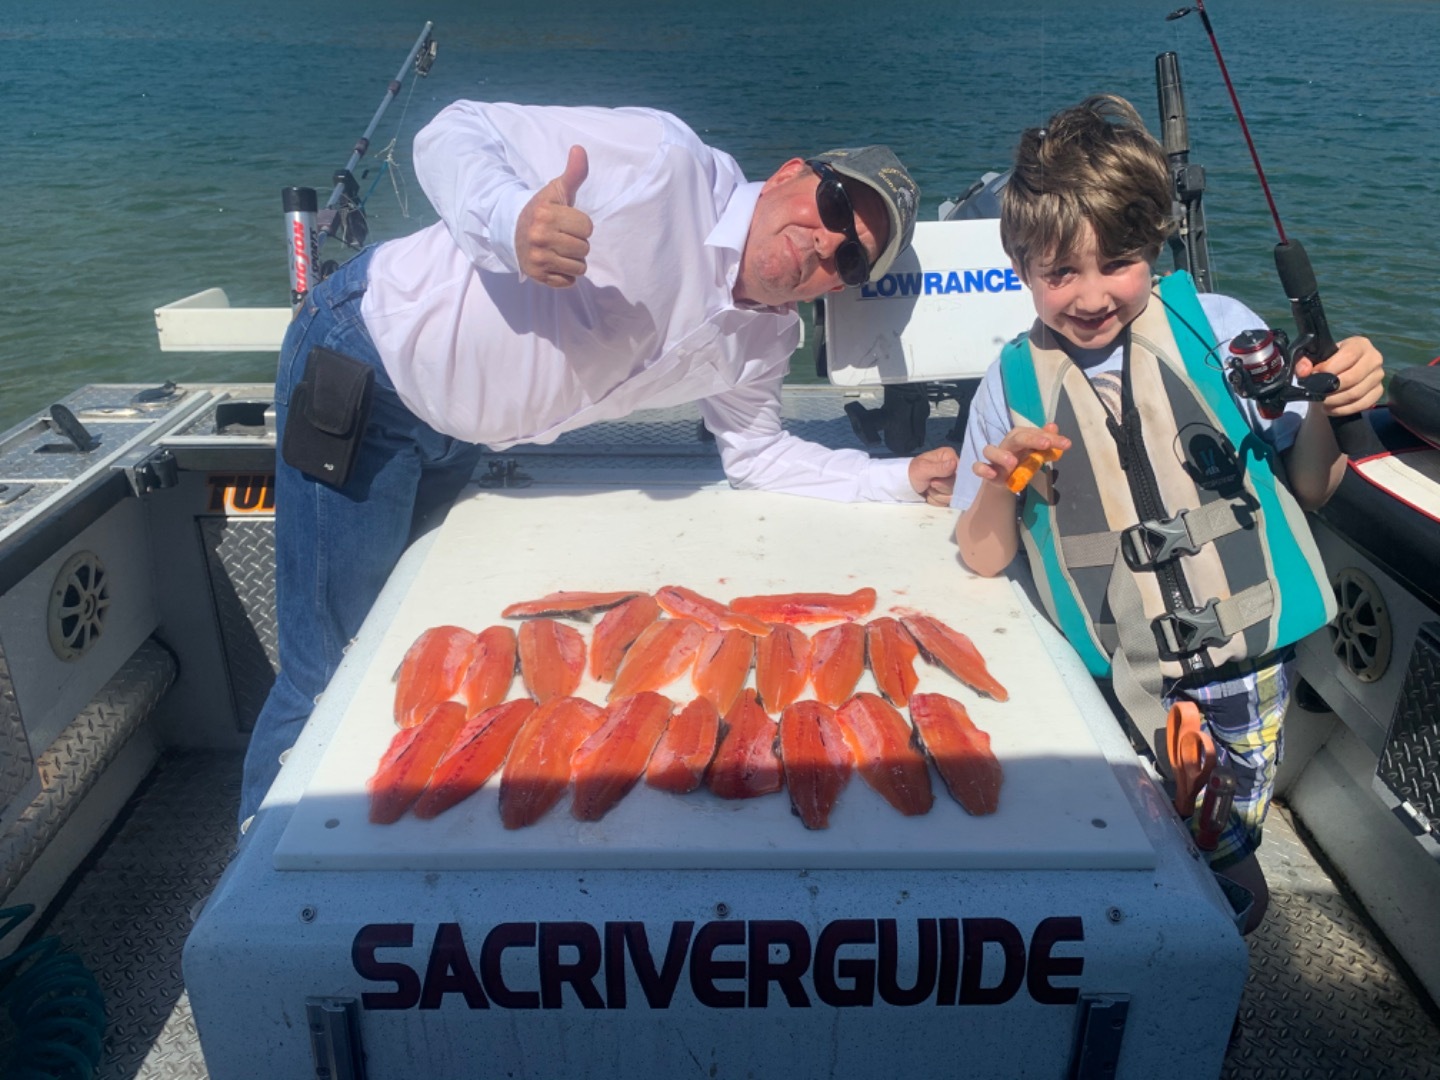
(1415, 400)
(1392, 526)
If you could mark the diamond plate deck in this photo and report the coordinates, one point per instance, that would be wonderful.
(129, 911)
(1323, 998)
(240, 557)
(72, 765)
(1410, 763)
(17, 766)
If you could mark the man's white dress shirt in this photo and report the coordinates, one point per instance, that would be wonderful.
(486, 355)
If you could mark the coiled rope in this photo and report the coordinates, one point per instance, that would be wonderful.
(55, 1005)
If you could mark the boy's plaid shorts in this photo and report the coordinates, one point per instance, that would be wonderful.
(1243, 716)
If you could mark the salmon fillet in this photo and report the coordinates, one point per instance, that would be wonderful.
(684, 751)
(430, 672)
(891, 651)
(722, 664)
(885, 755)
(816, 759)
(807, 607)
(745, 763)
(572, 605)
(410, 759)
(682, 603)
(608, 763)
(782, 667)
(837, 661)
(537, 770)
(474, 756)
(960, 750)
(617, 631)
(487, 678)
(662, 653)
(552, 659)
(953, 651)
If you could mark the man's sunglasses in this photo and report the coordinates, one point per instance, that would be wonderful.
(838, 215)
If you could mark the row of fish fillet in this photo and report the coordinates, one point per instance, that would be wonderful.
(456, 730)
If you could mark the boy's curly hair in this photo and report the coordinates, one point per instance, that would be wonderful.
(1095, 163)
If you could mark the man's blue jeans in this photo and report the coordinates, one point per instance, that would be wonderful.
(334, 549)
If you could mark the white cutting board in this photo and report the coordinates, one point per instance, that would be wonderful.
(1061, 806)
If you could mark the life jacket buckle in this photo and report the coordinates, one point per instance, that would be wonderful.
(1189, 630)
(1151, 543)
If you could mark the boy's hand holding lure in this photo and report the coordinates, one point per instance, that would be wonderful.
(1020, 455)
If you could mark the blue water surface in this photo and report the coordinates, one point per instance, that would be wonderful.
(145, 144)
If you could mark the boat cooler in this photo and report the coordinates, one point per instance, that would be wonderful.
(1075, 932)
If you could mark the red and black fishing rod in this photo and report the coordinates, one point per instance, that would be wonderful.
(1297, 277)
(1234, 100)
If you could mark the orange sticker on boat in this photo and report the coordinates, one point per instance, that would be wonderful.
(240, 493)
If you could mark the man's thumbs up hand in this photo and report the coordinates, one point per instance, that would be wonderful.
(552, 238)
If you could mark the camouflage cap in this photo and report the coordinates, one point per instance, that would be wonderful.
(878, 168)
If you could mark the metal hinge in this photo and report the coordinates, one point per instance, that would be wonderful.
(1101, 1029)
(504, 474)
(150, 469)
(335, 1038)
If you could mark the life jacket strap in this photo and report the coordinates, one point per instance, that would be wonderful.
(1135, 665)
(1189, 630)
(1152, 543)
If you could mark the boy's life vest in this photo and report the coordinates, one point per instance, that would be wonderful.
(1163, 544)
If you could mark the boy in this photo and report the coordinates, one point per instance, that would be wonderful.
(1123, 374)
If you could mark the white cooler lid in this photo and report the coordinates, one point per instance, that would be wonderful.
(1061, 806)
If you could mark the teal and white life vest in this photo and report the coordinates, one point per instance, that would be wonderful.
(1163, 544)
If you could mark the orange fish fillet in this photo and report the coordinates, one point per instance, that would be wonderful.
(572, 605)
(807, 607)
(782, 666)
(837, 662)
(410, 759)
(491, 670)
(682, 603)
(722, 665)
(430, 672)
(617, 631)
(608, 763)
(954, 652)
(960, 750)
(817, 761)
(885, 755)
(890, 651)
(662, 652)
(745, 763)
(685, 749)
(552, 659)
(478, 750)
(537, 770)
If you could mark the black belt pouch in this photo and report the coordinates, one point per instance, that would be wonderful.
(328, 411)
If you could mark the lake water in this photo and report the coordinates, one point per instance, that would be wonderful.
(145, 144)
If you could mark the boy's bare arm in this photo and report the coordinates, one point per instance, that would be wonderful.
(1314, 463)
(987, 532)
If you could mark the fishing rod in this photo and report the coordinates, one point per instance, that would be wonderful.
(342, 216)
(1264, 361)
(1190, 243)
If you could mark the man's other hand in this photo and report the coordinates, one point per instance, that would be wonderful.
(552, 238)
(932, 474)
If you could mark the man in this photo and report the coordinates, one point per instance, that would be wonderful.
(588, 262)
